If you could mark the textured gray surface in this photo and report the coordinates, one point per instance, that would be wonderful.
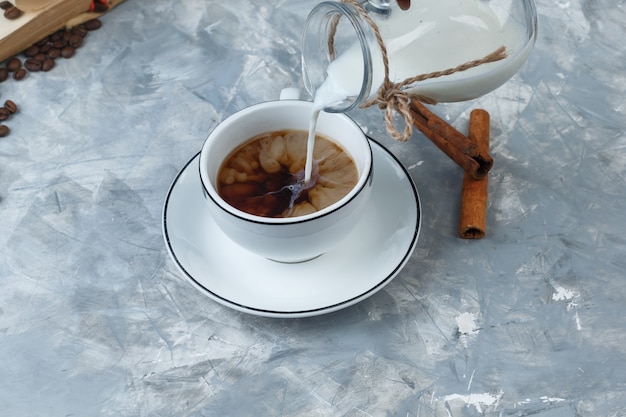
(96, 320)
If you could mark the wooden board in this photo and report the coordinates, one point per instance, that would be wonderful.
(40, 19)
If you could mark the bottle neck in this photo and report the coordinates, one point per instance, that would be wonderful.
(338, 50)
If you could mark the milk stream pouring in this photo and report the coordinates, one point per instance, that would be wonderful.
(432, 35)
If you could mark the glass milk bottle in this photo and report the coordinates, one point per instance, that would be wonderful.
(344, 67)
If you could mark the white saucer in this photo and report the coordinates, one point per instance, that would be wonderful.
(365, 261)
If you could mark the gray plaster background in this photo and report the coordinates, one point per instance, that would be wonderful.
(95, 319)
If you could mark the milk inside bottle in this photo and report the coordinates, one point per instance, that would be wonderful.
(431, 36)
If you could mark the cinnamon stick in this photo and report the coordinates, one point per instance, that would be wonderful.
(473, 218)
(474, 161)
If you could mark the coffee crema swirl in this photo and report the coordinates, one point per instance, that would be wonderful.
(265, 175)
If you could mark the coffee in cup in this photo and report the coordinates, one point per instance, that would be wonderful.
(265, 175)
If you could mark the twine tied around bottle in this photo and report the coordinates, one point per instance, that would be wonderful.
(392, 96)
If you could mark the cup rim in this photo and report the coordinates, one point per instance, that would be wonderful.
(210, 192)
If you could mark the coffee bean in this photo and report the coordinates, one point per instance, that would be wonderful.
(14, 64)
(67, 52)
(75, 41)
(32, 65)
(93, 24)
(10, 106)
(80, 31)
(58, 35)
(40, 56)
(54, 53)
(13, 13)
(44, 48)
(59, 43)
(44, 41)
(31, 51)
(19, 74)
(47, 65)
(5, 5)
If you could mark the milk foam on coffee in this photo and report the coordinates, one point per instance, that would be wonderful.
(265, 176)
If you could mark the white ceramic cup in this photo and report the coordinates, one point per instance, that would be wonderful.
(292, 239)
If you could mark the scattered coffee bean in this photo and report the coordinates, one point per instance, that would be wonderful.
(80, 31)
(92, 24)
(19, 74)
(45, 48)
(5, 5)
(67, 52)
(40, 57)
(43, 42)
(47, 65)
(58, 35)
(59, 43)
(13, 13)
(10, 106)
(54, 53)
(75, 41)
(32, 65)
(32, 51)
(14, 64)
